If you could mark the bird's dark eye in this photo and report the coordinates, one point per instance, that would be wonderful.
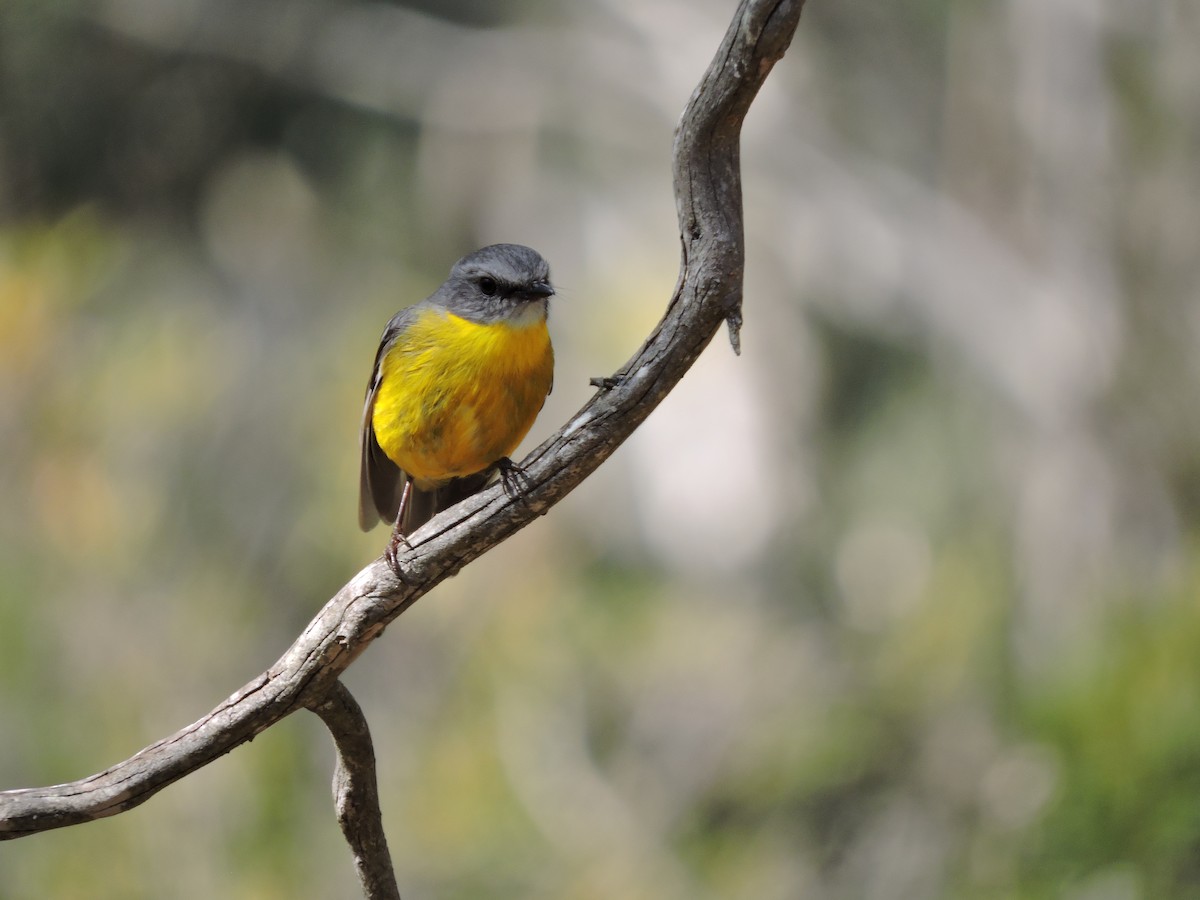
(488, 286)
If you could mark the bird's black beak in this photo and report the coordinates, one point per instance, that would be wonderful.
(539, 290)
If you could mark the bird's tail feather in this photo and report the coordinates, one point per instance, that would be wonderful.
(424, 505)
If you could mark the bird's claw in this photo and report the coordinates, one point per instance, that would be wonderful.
(515, 480)
(391, 553)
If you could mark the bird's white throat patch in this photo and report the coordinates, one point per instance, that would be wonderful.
(527, 315)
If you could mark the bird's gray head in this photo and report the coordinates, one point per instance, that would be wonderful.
(498, 281)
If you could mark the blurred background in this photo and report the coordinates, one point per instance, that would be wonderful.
(902, 603)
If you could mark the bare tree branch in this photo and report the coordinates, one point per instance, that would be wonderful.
(356, 792)
(709, 292)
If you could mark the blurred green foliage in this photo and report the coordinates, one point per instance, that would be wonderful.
(903, 603)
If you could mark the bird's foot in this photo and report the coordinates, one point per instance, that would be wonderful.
(391, 554)
(516, 482)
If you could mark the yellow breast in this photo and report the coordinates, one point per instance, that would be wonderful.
(455, 395)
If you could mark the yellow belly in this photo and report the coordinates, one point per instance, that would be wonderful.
(455, 396)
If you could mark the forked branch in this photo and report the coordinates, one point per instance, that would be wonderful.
(708, 292)
(356, 792)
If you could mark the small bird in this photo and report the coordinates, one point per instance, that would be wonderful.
(458, 380)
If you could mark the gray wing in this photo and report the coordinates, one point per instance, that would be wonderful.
(380, 481)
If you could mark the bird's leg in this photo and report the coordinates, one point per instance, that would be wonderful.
(515, 481)
(398, 535)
